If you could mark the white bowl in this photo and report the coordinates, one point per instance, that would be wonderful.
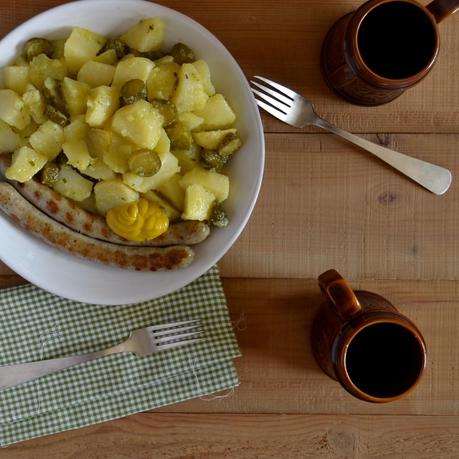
(90, 282)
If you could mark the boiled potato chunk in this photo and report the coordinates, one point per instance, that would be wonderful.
(163, 147)
(172, 214)
(72, 185)
(162, 81)
(99, 170)
(102, 102)
(198, 203)
(81, 46)
(215, 183)
(173, 192)
(12, 109)
(211, 139)
(42, 67)
(179, 135)
(9, 140)
(77, 153)
(16, 78)
(21, 62)
(190, 120)
(107, 57)
(204, 72)
(146, 35)
(164, 60)
(26, 162)
(76, 130)
(169, 167)
(133, 68)
(75, 95)
(217, 114)
(117, 157)
(89, 204)
(186, 160)
(98, 142)
(67, 102)
(35, 104)
(140, 123)
(189, 95)
(48, 139)
(113, 193)
(96, 74)
(27, 132)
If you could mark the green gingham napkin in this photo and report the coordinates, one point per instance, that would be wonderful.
(36, 325)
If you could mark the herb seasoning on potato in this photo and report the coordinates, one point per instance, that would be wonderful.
(135, 129)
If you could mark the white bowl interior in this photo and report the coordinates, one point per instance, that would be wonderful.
(90, 282)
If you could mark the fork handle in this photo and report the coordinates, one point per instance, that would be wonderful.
(432, 177)
(12, 375)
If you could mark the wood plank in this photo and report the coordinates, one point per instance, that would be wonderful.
(273, 318)
(325, 203)
(193, 436)
(279, 375)
(282, 40)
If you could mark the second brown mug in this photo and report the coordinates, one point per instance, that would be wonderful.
(371, 56)
(361, 340)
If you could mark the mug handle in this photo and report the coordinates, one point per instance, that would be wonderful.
(440, 9)
(340, 294)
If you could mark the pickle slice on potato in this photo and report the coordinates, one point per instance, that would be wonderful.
(144, 163)
(123, 115)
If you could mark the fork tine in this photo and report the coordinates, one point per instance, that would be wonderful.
(286, 100)
(179, 343)
(283, 89)
(169, 339)
(273, 111)
(173, 325)
(158, 334)
(279, 105)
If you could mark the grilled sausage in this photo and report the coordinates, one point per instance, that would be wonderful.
(78, 219)
(29, 217)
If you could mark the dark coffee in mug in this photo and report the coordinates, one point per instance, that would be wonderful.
(384, 359)
(361, 340)
(373, 55)
(396, 40)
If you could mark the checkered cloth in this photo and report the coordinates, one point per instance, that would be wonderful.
(36, 325)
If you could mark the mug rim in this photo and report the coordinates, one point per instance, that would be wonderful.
(372, 77)
(340, 363)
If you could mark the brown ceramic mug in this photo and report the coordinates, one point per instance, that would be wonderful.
(361, 340)
(371, 56)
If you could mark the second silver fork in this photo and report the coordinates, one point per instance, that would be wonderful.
(142, 341)
(294, 109)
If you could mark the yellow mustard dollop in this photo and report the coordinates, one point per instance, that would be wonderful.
(138, 221)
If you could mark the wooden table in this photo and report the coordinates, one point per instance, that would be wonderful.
(323, 204)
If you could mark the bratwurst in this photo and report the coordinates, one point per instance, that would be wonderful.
(29, 217)
(78, 219)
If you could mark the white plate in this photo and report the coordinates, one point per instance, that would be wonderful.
(90, 282)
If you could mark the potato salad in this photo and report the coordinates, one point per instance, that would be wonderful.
(123, 127)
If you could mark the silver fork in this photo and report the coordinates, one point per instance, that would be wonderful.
(294, 109)
(142, 341)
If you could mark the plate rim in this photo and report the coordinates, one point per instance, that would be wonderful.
(58, 290)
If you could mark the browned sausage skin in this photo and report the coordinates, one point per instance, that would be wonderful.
(29, 217)
(78, 219)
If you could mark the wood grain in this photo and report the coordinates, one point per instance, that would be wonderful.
(325, 203)
(282, 40)
(196, 436)
(273, 317)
